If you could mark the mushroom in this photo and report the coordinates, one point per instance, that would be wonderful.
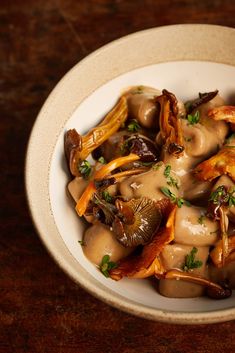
(217, 253)
(136, 222)
(147, 263)
(170, 126)
(221, 163)
(213, 290)
(78, 147)
(145, 148)
(202, 99)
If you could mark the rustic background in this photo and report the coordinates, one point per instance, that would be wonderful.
(41, 309)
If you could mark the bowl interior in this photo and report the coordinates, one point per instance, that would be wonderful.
(185, 79)
(184, 59)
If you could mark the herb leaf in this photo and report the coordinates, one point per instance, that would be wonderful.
(178, 201)
(81, 242)
(201, 219)
(193, 118)
(102, 160)
(190, 262)
(138, 90)
(170, 180)
(85, 169)
(167, 171)
(106, 196)
(133, 126)
(107, 265)
(173, 182)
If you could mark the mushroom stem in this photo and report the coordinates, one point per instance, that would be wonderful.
(100, 174)
(214, 290)
(127, 173)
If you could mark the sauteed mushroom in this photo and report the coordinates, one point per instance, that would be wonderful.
(136, 194)
(136, 222)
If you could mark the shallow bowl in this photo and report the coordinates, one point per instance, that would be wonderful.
(185, 59)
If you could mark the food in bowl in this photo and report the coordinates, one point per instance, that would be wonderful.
(155, 184)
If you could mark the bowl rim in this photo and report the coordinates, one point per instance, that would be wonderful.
(43, 217)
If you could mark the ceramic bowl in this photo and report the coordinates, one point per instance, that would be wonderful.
(185, 59)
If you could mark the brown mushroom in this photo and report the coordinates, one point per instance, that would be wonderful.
(78, 147)
(170, 127)
(136, 222)
(148, 263)
(213, 290)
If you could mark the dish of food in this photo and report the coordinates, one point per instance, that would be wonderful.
(82, 99)
(159, 197)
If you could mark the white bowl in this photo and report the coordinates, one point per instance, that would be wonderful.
(185, 59)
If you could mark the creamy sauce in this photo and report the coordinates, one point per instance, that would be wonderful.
(148, 184)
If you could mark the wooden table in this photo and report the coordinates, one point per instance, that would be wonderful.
(41, 309)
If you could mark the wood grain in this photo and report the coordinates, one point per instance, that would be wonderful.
(41, 309)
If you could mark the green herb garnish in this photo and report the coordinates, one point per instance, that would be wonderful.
(221, 195)
(106, 196)
(193, 118)
(201, 219)
(133, 126)
(170, 180)
(85, 169)
(173, 182)
(81, 242)
(231, 198)
(157, 165)
(187, 139)
(190, 262)
(167, 171)
(124, 148)
(107, 265)
(102, 160)
(138, 90)
(177, 200)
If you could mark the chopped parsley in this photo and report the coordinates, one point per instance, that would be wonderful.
(191, 262)
(231, 198)
(222, 196)
(173, 182)
(124, 148)
(85, 169)
(170, 180)
(133, 126)
(138, 90)
(177, 200)
(187, 139)
(106, 196)
(201, 219)
(107, 265)
(167, 171)
(102, 160)
(157, 165)
(193, 118)
(216, 195)
(81, 242)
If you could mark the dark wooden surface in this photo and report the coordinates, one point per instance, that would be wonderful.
(41, 309)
